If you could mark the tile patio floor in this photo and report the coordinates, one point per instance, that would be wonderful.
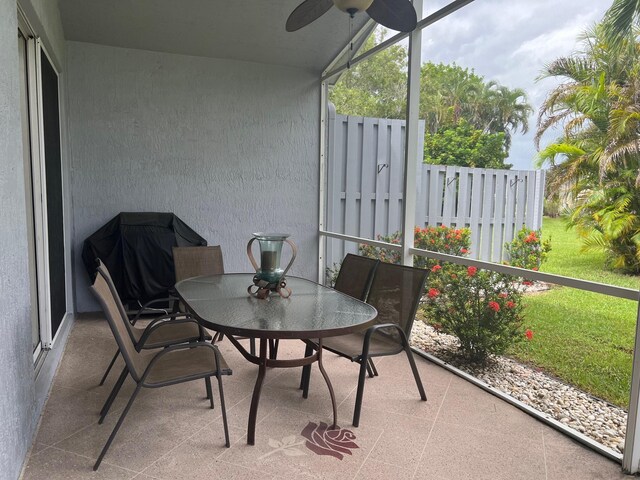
(461, 432)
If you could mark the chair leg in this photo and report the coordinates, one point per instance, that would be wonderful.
(373, 366)
(207, 382)
(217, 337)
(306, 370)
(113, 395)
(224, 411)
(252, 346)
(113, 360)
(273, 348)
(369, 370)
(414, 369)
(116, 428)
(360, 393)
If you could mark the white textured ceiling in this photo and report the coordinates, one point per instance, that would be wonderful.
(249, 30)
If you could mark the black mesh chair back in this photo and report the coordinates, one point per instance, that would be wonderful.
(395, 292)
(355, 276)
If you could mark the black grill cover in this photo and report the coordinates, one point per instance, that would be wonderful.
(136, 248)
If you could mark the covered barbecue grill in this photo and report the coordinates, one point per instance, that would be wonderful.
(137, 250)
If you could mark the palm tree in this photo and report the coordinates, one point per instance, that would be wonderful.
(620, 19)
(598, 156)
(508, 111)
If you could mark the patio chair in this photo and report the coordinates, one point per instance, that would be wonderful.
(395, 292)
(355, 276)
(354, 279)
(188, 262)
(161, 332)
(169, 366)
(196, 261)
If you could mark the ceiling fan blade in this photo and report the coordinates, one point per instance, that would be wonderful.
(394, 14)
(307, 12)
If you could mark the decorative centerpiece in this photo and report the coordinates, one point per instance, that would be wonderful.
(270, 277)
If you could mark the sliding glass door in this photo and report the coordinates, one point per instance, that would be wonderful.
(42, 159)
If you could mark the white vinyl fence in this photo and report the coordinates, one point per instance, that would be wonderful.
(365, 183)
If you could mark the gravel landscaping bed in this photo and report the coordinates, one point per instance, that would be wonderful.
(603, 422)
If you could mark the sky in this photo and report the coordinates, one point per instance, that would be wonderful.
(510, 41)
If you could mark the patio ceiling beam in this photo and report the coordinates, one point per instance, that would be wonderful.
(355, 43)
(434, 17)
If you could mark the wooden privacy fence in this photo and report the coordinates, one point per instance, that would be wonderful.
(365, 184)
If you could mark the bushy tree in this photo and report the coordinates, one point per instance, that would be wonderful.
(376, 87)
(466, 146)
(449, 94)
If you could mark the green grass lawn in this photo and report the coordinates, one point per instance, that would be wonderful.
(584, 338)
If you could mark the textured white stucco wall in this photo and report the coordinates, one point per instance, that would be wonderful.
(18, 414)
(230, 147)
(44, 17)
(21, 394)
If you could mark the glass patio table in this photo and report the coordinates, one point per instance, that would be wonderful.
(312, 312)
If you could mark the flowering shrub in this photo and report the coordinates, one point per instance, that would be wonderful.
(443, 239)
(483, 309)
(527, 250)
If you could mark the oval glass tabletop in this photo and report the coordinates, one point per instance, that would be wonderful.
(221, 302)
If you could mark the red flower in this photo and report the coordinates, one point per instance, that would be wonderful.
(433, 292)
(435, 268)
(443, 226)
(463, 250)
(453, 275)
(528, 334)
(502, 295)
(510, 304)
(535, 269)
(471, 271)
(527, 283)
(495, 306)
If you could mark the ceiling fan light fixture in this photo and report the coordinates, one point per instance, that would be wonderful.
(353, 6)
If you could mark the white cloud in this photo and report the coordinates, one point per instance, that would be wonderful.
(511, 41)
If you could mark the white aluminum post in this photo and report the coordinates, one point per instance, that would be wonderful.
(322, 241)
(631, 457)
(411, 143)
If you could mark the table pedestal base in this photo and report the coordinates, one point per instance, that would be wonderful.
(263, 361)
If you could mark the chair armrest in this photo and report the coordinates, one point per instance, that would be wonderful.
(371, 330)
(159, 322)
(183, 346)
(136, 317)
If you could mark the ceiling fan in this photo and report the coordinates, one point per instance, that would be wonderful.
(394, 14)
